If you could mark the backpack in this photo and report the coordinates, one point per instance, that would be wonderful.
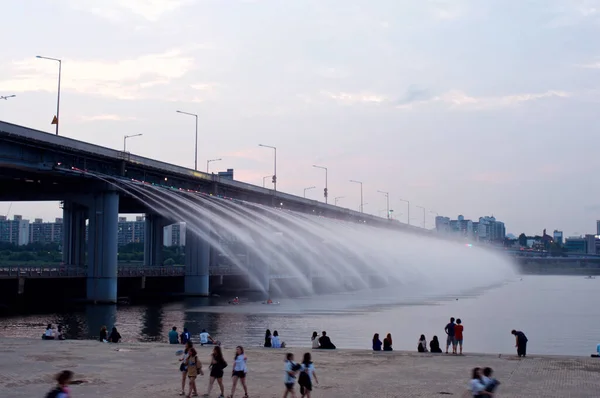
(54, 392)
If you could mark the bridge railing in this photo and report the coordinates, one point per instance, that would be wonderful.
(77, 271)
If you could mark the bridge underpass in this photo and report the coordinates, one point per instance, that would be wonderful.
(37, 166)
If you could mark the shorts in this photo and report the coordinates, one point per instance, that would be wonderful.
(450, 340)
(239, 374)
(289, 386)
(459, 341)
(192, 377)
(216, 373)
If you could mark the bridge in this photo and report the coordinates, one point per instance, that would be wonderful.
(38, 166)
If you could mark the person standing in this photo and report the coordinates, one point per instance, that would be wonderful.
(173, 336)
(194, 367)
(450, 339)
(239, 370)
(520, 342)
(217, 364)
(307, 375)
(458, 335)
(289, 377)
(63, 379)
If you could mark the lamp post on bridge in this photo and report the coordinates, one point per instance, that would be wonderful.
(125, 140)
(208, 162)
(325, 192)
(387, 197)
(196, 145)
(58, 97)
(264, 178)
(424, 212)
(274, 164)
(362, 205)
(336, 199)
(306, 189)
(408, 211)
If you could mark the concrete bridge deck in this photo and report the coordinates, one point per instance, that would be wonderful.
(135, 370)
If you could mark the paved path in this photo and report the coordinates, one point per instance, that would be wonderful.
(150, 370)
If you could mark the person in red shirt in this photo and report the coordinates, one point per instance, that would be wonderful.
(458, 334)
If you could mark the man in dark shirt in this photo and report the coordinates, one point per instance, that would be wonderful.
(325, 342)
(520, 342)
(450, 339)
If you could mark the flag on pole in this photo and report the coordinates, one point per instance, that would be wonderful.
(54, 120)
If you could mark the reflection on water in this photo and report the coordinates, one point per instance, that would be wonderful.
(535, 305)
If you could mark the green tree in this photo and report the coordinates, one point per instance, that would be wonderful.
(522, 240)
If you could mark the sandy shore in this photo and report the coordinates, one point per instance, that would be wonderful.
(136, 370)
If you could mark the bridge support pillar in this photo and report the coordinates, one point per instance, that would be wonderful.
(153, 240)
(197, 262)
(102, 248)
(74, 216)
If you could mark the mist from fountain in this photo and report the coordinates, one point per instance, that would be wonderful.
(343, 255)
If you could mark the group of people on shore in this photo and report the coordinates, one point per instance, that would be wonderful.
(204, 338)
(191, 367)
(104, 336)
(482, 383)
(386, 344)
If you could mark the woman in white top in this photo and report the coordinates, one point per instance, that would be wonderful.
(315, 340)
(307, 375)
(275, 341)
(239, 370)
(183, 367)
(476, 386)
(49, 333)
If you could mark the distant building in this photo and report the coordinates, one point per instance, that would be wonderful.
(489, 229)
(442, 224)
(131, 231)
(15, 231)
(174, 234)
(46, 232)
(581, 244)
(462, 227)
(597, 227)
(226, 174)
(558, 237)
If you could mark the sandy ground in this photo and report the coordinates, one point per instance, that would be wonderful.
(136, 370)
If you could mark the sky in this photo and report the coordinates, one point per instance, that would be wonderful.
(459, 106)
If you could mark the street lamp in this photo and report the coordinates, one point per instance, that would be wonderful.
(408, 211)
(196, 146)
(58, 98)
(125, 140)
(387, 197)
(325, 191)
(5, 97)
(306, 189)
(424, 211)
(338, 198)
(208, 162)
(361, 194)
(264, 178)
(274, 164)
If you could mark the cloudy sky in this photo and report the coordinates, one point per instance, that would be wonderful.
(462, 107)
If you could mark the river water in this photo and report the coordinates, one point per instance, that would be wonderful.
(559, 314)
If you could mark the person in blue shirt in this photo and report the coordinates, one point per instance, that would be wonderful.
(376, 342)
(173, 336)
(185, 336)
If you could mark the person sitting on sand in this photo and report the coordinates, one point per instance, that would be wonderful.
(114, 335)
(103, 335)
(276, 341)
(268, 343)
(376, 342)
(422, 346)
(63, 379)
(315, 340)
(387, 343)
(185, 336)
(434, 345)
(205, 338)
(173, 336)
(49, 333)
(59, 333)
(325, 342)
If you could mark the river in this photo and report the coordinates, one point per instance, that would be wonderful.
(559, 314)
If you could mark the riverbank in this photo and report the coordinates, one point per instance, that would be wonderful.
(132, 370)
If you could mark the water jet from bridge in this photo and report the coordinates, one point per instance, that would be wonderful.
(288, 253)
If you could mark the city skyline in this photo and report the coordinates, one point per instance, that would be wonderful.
(401, 95)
